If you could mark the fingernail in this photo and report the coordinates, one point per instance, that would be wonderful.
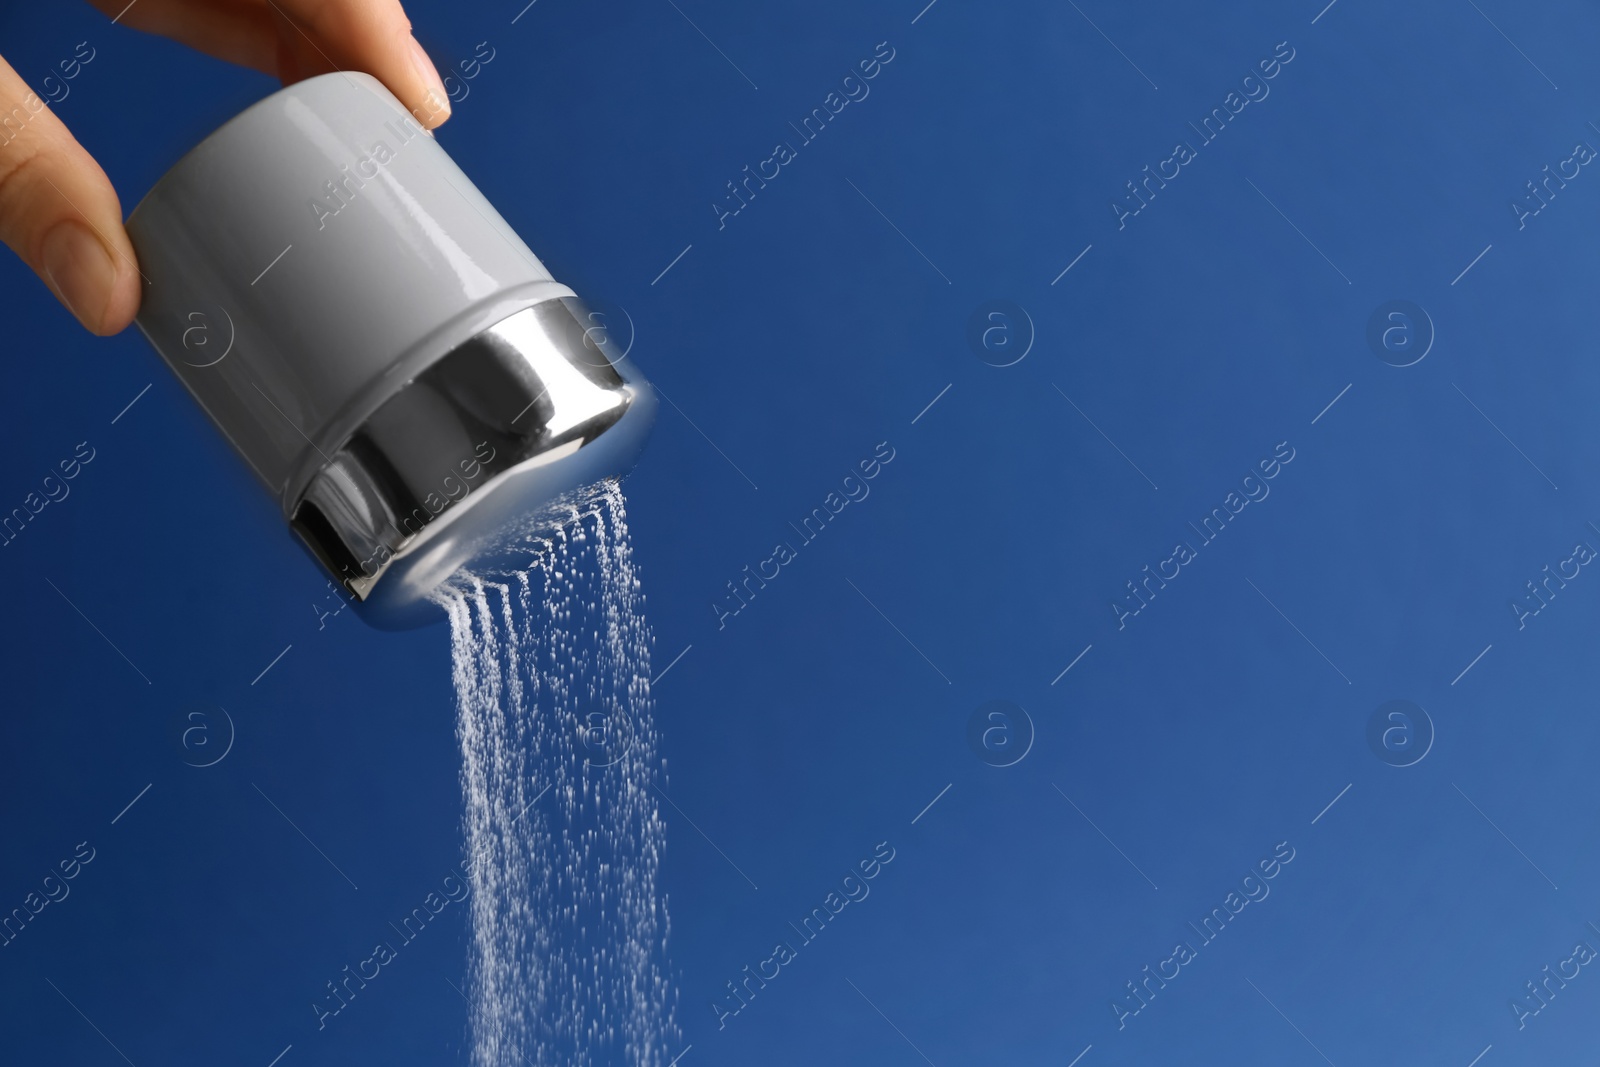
(436, 107)
(80, 270)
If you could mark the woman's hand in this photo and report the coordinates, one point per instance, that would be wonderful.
(58, 210)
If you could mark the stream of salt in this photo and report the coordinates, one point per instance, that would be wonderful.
(563, 834)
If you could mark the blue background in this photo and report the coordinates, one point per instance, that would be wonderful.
(1220, 721)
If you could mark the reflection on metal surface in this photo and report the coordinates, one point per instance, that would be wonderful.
(534, 407)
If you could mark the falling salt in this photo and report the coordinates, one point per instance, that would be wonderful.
(563, 834)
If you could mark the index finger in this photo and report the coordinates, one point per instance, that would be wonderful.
(372, 36)
(296, 39)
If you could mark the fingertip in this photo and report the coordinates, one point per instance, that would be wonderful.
(79, 270)
(367, 35)
(91, 280)
(123, 305)
(433, 107)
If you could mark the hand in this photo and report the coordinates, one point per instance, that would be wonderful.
(58, 210)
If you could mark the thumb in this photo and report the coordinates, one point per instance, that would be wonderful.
(59, 212)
